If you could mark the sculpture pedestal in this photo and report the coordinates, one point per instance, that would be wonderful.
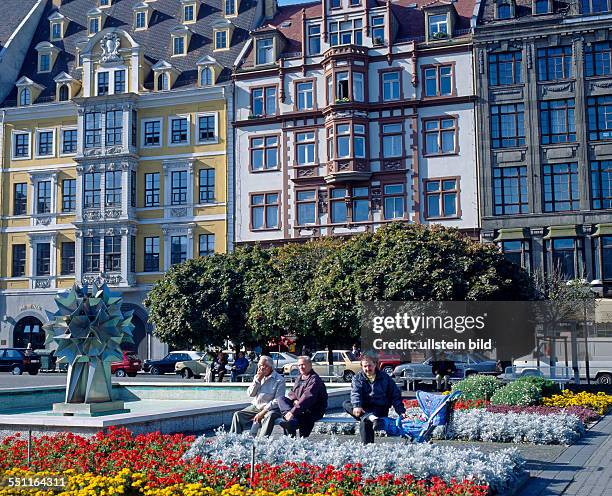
(89, 409)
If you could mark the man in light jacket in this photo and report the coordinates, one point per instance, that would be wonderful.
(267, 388)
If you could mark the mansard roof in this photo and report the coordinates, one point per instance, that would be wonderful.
(522, 11)
(155, 41)
(13, 13)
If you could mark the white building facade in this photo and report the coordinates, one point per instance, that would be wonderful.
(352, 115)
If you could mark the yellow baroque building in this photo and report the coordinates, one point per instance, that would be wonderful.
(116, 140)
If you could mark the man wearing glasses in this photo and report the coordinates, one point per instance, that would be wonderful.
(267, 388)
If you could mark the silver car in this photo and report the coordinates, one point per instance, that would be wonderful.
(465, 363)
(282, 358)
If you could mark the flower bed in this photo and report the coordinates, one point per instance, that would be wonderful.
(600, 402)
(499, 470)
(584, 414)
(154, 464)
(329, 482)
(481, 425)
(459, 404)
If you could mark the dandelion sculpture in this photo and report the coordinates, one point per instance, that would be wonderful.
(89, 329)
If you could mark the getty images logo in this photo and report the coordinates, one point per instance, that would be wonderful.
(416, 323)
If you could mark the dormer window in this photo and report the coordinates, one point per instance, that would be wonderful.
(180, 40)
(57, 25)
(63, 93)
(142, 15)
(105, 3)
(221, 39)
(541, 6)
(56, 31)
(27, 91)
(25, 97)
(208, 69)
(94, 25)
(230, 8)
(505, 9)
(265, 51)
(46, 56)
(44, 61)
(66, 86)
(190, 11)
(163, 82)
(438, 26)
(164, 76)
(206, 76)
(140, 20)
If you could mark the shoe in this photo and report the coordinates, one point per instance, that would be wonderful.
(290, 427)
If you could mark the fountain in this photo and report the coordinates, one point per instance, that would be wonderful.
(89, 329)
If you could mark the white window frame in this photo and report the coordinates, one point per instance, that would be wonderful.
(195, 12)
(111, 79)
(40, 56)
(207, 114)
(146, 20)
(61, 27)
(13, 134)
(169, 133)
(61, 141)
(227, 39)
(161, 132)
(53, 141)
(185, 42)
(89, 19)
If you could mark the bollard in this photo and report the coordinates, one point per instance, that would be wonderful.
(252, 464)
(29, 446)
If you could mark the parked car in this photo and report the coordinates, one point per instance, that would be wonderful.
(166, 365)
(130, 365)
(342, 358)
(465, 363)
(388, 361)
(18, 360)
(282, 358)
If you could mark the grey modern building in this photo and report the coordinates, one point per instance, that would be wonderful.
(544, 109)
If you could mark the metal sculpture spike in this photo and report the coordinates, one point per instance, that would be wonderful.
(89, 329)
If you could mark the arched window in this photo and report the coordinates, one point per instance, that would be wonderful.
(25, 97)
(206, 76)
(63, 93)
(162, 82)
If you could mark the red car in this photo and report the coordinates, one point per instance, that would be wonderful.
(388, 361)
(130, 365)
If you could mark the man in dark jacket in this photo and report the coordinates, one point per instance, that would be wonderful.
(372, 394)
(307, 401)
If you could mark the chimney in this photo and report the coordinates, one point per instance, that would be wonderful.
(270, 7)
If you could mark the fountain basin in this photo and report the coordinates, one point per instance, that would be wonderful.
(167, 407)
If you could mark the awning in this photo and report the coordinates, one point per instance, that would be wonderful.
(506, 234)
(562, 232)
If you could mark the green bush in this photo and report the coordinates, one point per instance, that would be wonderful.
(547, 387)
(517, 393)
(478, 387)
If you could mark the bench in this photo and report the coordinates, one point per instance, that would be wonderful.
(559, 375)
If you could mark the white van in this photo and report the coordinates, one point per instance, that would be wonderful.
(600, 358)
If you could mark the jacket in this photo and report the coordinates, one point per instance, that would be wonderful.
(383, 393)
(266, 393)
(311, 396)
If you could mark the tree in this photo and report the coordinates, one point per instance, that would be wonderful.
(313, 289)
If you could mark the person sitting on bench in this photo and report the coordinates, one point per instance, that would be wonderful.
(443, 368)
(306, 403)
(372, 393)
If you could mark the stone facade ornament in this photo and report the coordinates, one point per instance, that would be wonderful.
(110, 48)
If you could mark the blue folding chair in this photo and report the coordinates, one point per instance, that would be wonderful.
(436, 408)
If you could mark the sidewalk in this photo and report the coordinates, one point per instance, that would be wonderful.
(583, 469)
